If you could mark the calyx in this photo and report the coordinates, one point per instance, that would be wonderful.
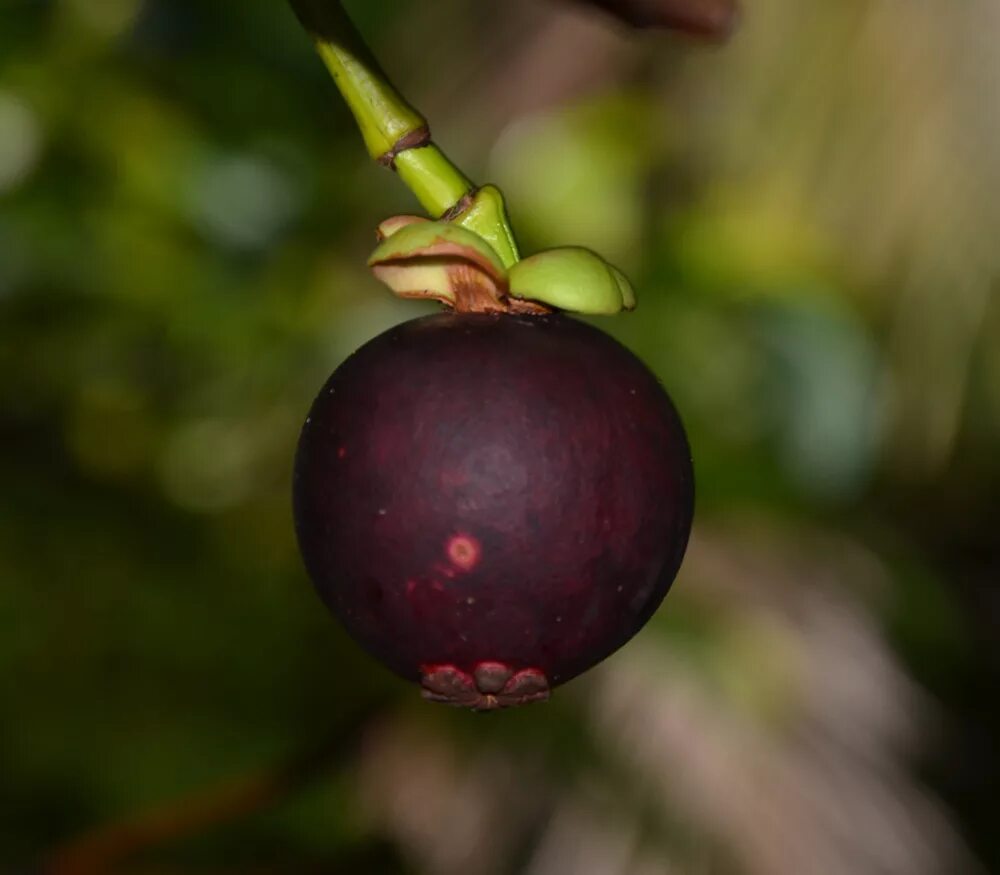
(442, 261)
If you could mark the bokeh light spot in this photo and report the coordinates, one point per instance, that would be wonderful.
(20, 141)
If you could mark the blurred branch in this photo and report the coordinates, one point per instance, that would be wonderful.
(713, 19)
(105, 848)
(399, 137)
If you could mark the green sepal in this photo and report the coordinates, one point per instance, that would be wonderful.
(573, 279)
(440, 261)
(388, 227)
(486, 216)
(625, 287)
(435, 240)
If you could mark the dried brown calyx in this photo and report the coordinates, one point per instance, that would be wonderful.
(491, 685)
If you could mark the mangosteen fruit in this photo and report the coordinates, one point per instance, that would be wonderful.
(492, 503)
(493, 499)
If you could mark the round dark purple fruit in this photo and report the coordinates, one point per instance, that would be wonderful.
(491, 504)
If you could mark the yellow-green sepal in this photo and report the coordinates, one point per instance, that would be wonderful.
(572, 279)
(388, 227)
(440, 261)
(486, 215)
(625, 288)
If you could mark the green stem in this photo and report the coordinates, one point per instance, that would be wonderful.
(397, 135)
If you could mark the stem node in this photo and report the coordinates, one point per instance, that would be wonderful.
(417, 139)
(397, 136)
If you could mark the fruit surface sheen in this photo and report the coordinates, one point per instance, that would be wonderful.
(492, 504)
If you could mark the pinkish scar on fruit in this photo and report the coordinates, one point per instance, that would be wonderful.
(491, 501)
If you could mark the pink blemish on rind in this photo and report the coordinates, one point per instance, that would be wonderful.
(464, 552)
(445, 570)
(341, 452)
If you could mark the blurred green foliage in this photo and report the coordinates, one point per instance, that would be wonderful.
(182, 264)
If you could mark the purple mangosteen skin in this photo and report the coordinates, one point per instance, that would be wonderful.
(492, 504)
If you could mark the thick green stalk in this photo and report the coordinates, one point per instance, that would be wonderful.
(396, 135)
